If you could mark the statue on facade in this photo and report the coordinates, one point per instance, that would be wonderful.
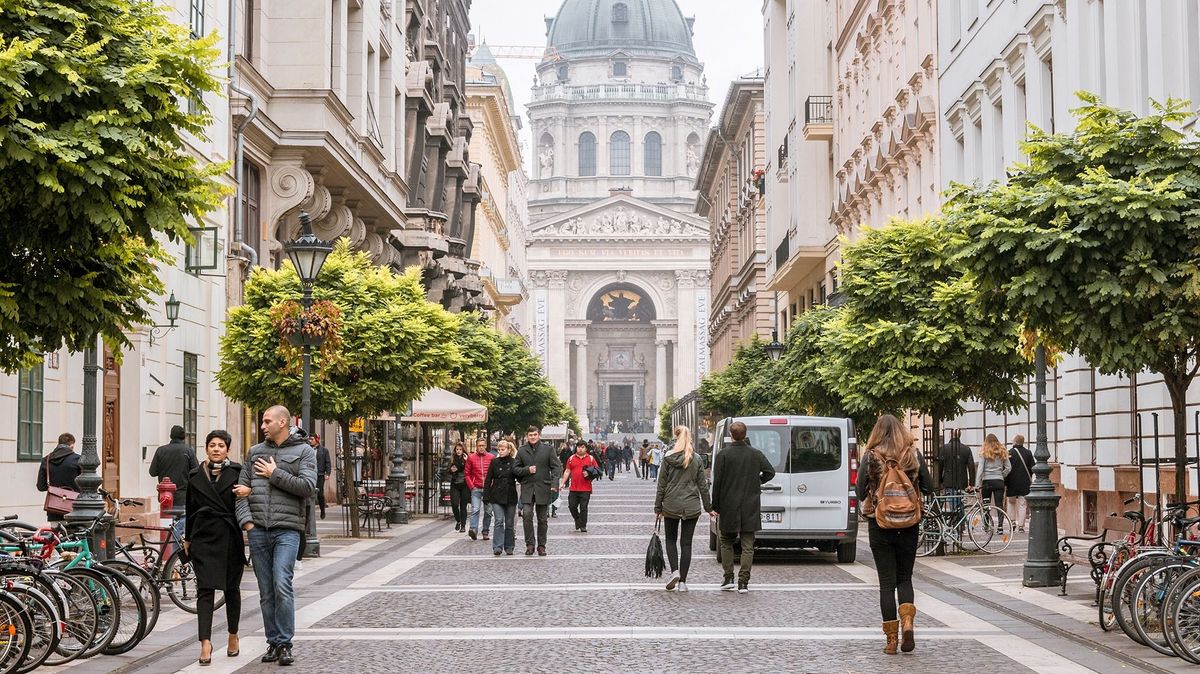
(546, 159)
(693, 161)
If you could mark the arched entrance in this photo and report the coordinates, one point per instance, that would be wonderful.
(621, 369)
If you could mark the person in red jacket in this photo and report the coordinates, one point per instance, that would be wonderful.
(476, 470)
(581, 487)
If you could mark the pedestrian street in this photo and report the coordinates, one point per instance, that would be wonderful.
(426, 599)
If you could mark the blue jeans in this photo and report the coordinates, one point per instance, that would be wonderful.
(653, 471)
(273, 553)
(504, 536)
(476, 506)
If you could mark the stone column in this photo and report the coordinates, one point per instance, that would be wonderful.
(685, 347)
(557, 350)
(660, 372)
(581, 377)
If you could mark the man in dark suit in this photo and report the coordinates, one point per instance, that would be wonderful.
(738, 476)
(539, 471)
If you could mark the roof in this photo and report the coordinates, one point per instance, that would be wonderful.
(595, 27)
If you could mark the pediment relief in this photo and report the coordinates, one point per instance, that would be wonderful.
(620, 219)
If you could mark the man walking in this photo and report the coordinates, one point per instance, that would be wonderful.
(59, 469)
(956, 469)
(324, 469)
(539, 471)
(644, 459)
(612, 459)
(627, 455)
(738, 476)
(476, 470)
(279, 476)
(175, 460)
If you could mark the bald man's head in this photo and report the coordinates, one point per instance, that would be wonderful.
(276, 423)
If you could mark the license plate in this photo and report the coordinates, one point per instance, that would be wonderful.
(772, 517)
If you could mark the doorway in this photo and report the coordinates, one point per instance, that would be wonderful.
(620, 401)
(110, 434)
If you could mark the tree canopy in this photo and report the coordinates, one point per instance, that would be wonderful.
(725, 392)
(524, 396)
(478, 375)
(1095, 244)
(94, 166)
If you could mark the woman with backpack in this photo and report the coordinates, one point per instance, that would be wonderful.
(993, 468)
(681, 496)
(889, 474)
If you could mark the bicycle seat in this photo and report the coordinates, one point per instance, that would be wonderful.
(1133, 515)
(131, 502)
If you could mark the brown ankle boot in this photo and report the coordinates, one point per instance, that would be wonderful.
(908, 612)
(889, 630)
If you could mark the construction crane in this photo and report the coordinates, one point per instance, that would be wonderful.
(526, 52)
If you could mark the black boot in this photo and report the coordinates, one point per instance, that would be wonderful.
(271, 655)
(285, 655)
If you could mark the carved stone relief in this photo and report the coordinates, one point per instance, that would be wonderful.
(622, 221)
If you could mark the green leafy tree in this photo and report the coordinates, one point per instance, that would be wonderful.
(799, 380)
(910, 336)
(524, 396)
(1095, 244)
(724, 392)
(479, 373)
(94, 167)
(664, 420)
(386, 345)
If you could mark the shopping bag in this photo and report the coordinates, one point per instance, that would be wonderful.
(654, 555)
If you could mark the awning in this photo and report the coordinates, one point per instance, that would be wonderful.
(555, 432)
(443, 407)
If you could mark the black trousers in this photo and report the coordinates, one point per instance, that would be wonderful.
(460, 501)
(993, 490)
(543, 522)
(578, 501)
(206, 599)
(680, 559)
(895, 553)
(321, 493)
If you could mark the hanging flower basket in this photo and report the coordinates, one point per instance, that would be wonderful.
(319, 327)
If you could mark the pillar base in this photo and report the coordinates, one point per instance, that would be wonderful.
(1042, 568)
(1041, 574)
(397, 516)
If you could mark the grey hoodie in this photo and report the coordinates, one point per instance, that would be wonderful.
(279, 502)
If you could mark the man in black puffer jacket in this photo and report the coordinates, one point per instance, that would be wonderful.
(279, 476)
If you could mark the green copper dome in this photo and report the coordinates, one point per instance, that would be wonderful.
(597, 27)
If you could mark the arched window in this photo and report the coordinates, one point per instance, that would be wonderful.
(587, 154)
(620, 13)
(618, 154)
(546, 155)
(653, 154)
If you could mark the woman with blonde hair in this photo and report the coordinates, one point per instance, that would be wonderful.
(894, 550)
(500, 492)
(994, 466)
(681, 496)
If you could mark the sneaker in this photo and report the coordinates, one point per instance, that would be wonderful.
(541, 551)
(583, 530)
(285, 656)
(728, 585)
(528, 550)
(271, 655)
(743, 588)
(681, 587)
(508, 552)
(486, 536)
(674, 580)
(472, 534)
(496, 553)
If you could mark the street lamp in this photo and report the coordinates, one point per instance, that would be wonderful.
(160, 331)
(89, 505)
(775, 348)
(308, 254)
(1041, 560)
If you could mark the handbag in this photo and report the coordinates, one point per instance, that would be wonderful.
(654, 554)
(59, 500)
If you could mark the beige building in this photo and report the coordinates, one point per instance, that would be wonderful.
(502, 218)
(730, 186)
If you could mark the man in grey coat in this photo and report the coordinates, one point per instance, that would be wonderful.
(539, 471)
(278, 477)
(738, 476)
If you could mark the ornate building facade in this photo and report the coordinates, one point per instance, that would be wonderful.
(731, 183)
(618, 260)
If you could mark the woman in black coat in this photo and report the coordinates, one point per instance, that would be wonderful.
(460, 494)
(500, 492)
(213, 540)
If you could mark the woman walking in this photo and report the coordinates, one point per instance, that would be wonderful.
(681, 496)
(994, 466)
(213, 540)
(1019, 480)
(460, 494)
(894, 550)
(500, 490)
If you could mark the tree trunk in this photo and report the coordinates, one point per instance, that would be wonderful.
(349, 489)
(1177, 386)
(935, 467)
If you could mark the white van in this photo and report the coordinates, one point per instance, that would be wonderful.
(810, 503)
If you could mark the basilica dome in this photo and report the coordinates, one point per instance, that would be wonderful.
(597, 27)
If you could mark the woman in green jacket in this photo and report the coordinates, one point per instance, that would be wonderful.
(681, 497)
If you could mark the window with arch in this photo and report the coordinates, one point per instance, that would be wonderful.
(587, 154)
(618, 154)
(620, 69)
(652, 150)
(620, 13)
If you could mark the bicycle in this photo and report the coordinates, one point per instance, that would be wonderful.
(988, 527)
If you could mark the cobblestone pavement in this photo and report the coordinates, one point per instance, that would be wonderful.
(423, 598)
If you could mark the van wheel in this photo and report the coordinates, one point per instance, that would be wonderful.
(712, 542)
(846, 552)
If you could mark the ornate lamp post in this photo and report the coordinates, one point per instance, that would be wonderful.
(308, 254)
(775, 348)
(89, 504)
(1041, 561)
(396, 479)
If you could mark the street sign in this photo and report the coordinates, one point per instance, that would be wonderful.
(357, 426)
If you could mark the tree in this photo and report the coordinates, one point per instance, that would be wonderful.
(384, 344)
(724, 392)
(477, 377)
(94, 166)
(910, 336)
(664, 420)
(1094, 243)
(800, 383)
(524, 396)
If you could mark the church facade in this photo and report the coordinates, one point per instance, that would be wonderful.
(618, 259)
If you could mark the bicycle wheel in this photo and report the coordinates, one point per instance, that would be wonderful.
(181, 584)
(929, 535)
(146, 586)
(1147, 603)
(1181, 616)
(108, 608)
(44, 624)
(1104, 602)
(15, 633)
(80, 618)
(1123, 588)
(978, 528)
(132, 623)
(990, 529)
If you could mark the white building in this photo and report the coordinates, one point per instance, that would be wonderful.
(618, 260)
(1004, 64)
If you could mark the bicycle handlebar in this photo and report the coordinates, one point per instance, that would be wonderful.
(9, 518)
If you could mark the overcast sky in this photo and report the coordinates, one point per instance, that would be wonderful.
(728, 41)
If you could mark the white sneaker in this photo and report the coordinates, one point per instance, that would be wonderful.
(682, 587)
(743, 589)
(728, 587)
(674, 580)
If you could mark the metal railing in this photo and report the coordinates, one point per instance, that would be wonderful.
(818, 110)
(593, 92)
(782, 253)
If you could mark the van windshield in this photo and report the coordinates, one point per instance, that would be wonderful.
(798, 449)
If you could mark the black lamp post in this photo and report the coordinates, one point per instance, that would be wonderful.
(1041, 561)
(308, 254)
(160, 331)
(89, 504)
(775, 348)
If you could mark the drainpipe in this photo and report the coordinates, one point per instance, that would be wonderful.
(246, 252)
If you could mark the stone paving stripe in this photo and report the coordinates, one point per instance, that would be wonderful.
(1029, 654)
(927, 605)
(252, 649)
(590, 587)
(1008, 588)
(407, 563)
(640, 633)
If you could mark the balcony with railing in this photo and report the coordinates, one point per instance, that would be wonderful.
(818, 118)
(630, 92)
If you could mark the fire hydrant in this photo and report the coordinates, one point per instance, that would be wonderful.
(166, 506)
